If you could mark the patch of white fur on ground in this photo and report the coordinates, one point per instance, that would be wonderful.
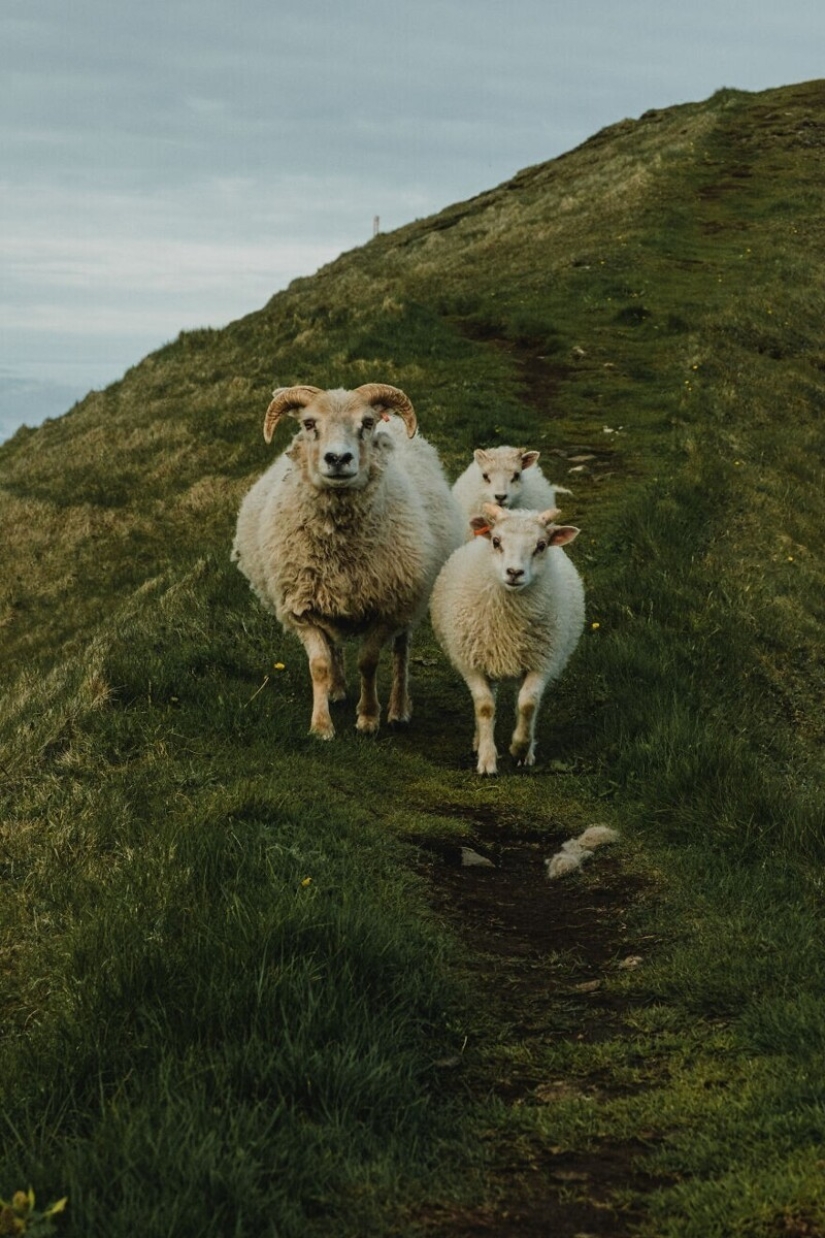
(576, 850)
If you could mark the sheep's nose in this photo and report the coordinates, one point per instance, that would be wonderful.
(501, 499)
(332, 459)
(515, 573)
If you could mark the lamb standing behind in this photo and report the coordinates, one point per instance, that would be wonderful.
(506, 476)
(509, 605)
(344, 535)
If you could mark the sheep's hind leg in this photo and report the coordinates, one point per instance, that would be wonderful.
(369, 708)
(338, 687)
(321, 669)
(523, 743)
(400, 705)
(484, 704)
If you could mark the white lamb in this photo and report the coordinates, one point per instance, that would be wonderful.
(509, 605)
(344, 535)
(506, 476)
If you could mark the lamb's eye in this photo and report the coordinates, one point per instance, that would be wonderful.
(368, 423)
(540, 546)
(517, 477)
(496, 543)
(486, 477)
(309, 424)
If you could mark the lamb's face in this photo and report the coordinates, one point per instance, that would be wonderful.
(501, 469)
(518, 543)
(339, 431)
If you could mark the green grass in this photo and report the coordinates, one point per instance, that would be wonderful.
(224, 995)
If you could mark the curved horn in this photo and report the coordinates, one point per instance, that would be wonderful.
(382, 396)
(284, 400)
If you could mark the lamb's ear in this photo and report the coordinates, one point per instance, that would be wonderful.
(561, 534)
(480, 457)
(480, 526)
(493, 512)
(529, 458)
(550, 515)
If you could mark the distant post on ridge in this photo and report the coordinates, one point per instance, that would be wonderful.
(376, 225)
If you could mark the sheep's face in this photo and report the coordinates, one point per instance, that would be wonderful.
(501, 469)
(519, 542)
(340, 433)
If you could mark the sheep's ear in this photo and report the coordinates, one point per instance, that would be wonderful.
(480, 526)
(529, 458)
(493, 512)
(480, 457)
(561, 534)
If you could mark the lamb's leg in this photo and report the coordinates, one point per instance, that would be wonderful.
(321, 668)
(369, 708)
(400, 706)
(523, 743)
(484, 703)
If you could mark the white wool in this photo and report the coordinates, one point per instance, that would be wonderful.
(597, 836)
(575, 851)
(561, 864)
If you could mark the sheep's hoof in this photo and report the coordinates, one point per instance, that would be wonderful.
(522, 754)
(487, 766)
(367, 725)
(338, 694)
(322, 730)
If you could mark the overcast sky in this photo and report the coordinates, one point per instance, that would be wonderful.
(169, 164)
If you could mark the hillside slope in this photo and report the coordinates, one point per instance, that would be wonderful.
(206, 916)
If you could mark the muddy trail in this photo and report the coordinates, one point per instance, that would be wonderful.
(541, 953)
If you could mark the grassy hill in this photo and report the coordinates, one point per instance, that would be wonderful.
(234, 1001)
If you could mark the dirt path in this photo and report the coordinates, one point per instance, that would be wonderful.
(540, 952)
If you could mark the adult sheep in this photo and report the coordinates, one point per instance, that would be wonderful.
(344, 536)
(507, 476)
(509, 605)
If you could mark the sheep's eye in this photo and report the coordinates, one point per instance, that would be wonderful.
(496, 543)
(368, 423)
(517, 477)
(540, 546)
(309, 424)
(486, 477)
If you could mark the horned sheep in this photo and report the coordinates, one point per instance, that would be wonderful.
(507, 476)
(509, 605)
(344, 535)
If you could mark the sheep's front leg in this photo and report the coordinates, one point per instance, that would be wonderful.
(369, 708)
(523, 743)
(400, 706)
(484, 703)
(321, 669)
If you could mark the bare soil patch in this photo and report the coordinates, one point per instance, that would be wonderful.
(540, 952)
